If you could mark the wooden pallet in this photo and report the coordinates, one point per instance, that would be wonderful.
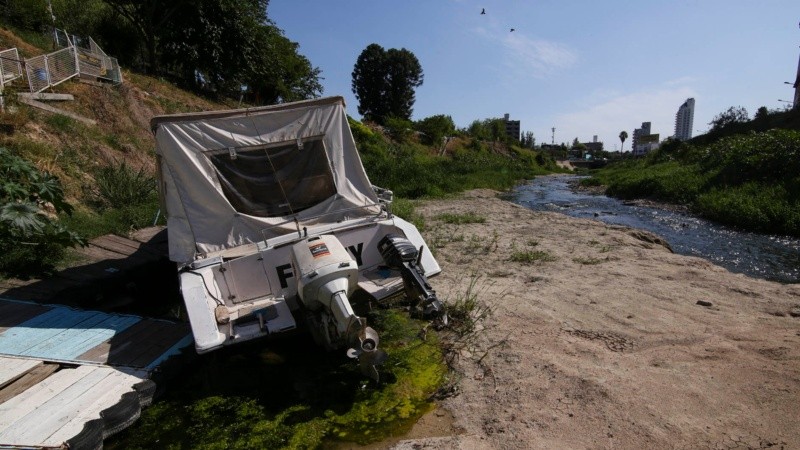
(74, 377)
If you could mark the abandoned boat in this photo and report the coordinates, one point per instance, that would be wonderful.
(273, 224)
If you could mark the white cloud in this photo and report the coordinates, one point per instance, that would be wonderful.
(535, 57)
(540, 56)
(608, 118)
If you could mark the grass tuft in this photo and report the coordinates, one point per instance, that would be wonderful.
(530, 256)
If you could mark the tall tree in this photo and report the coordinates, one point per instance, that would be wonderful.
(150, 19)
(228, 47)
(528, 139)
(384, 82)
(622, 136)
(369, 83)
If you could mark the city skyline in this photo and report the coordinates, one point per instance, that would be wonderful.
(584, 68)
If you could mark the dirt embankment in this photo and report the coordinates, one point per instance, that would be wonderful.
(609, 340)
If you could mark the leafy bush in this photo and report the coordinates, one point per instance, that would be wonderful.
(31, 238)
(435, 128)
(399, 129)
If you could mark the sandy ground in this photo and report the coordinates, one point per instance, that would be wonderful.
(605, 344)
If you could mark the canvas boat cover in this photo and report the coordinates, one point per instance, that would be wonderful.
(231, 178)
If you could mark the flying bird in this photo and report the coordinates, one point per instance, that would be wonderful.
(483, 10)
(512, 30)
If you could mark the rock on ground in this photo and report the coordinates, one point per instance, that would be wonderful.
(598, 340)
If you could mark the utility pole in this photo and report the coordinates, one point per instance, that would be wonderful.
(796, 86)
(553, 139)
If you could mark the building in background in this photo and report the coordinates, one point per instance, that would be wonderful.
(512, 128)
(637, 133)
(594, 147)
(643, 140)
(684, 120)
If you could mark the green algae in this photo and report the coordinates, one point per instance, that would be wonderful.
(293, 395)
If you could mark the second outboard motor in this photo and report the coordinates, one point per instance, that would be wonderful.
(399, 253)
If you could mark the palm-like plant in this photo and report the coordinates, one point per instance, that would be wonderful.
(622, 136)
(29, 238)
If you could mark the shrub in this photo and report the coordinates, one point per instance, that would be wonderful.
(434, 128)
(31, 238)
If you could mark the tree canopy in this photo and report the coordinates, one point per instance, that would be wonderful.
(729, 117)
(228, 48)
(384, 82)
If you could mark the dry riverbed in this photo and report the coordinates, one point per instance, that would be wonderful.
(601, 337)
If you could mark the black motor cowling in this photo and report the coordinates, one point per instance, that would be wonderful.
(399, 253)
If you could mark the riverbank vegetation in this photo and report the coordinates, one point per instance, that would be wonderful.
(749, 180)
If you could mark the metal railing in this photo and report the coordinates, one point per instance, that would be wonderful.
(71, 60)
(92, 60)
(49, 70)
(10, 66)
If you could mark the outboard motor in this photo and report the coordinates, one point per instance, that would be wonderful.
(399, 253)
(326, 276)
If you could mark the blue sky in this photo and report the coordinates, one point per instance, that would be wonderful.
(584, 67)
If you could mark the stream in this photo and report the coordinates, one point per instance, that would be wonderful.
(765, 256)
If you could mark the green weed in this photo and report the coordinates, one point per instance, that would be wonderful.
(530, 256)
(121, 186)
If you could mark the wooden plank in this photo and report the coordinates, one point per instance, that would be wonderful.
(114, 346)
(59, 411)
(116, 244)
(48, 108)
(46, 96)
(54, 407)
(75, 341)
(154, 348)
(174, 350)
(34, 376)
(113, 388)
(140, 345)
(19, 406)
(96, 253)
(43, 330)
(63, 334)
(14, 313)
(150, 235)
(13, 368)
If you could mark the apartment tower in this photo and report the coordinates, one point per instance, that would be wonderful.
(684, 120)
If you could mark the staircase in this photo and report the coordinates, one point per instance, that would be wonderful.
(77, 57)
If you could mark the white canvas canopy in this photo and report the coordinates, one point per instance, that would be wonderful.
(231, 178)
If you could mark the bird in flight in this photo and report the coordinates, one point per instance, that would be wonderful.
(483, 10)
(512, 30)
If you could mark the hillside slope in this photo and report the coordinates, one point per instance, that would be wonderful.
(74, 151)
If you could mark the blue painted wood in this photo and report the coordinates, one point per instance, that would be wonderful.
(63, 333)
(76, 341)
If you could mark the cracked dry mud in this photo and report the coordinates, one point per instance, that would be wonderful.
(603, 345)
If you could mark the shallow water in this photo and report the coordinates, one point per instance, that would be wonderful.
(758, 255)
